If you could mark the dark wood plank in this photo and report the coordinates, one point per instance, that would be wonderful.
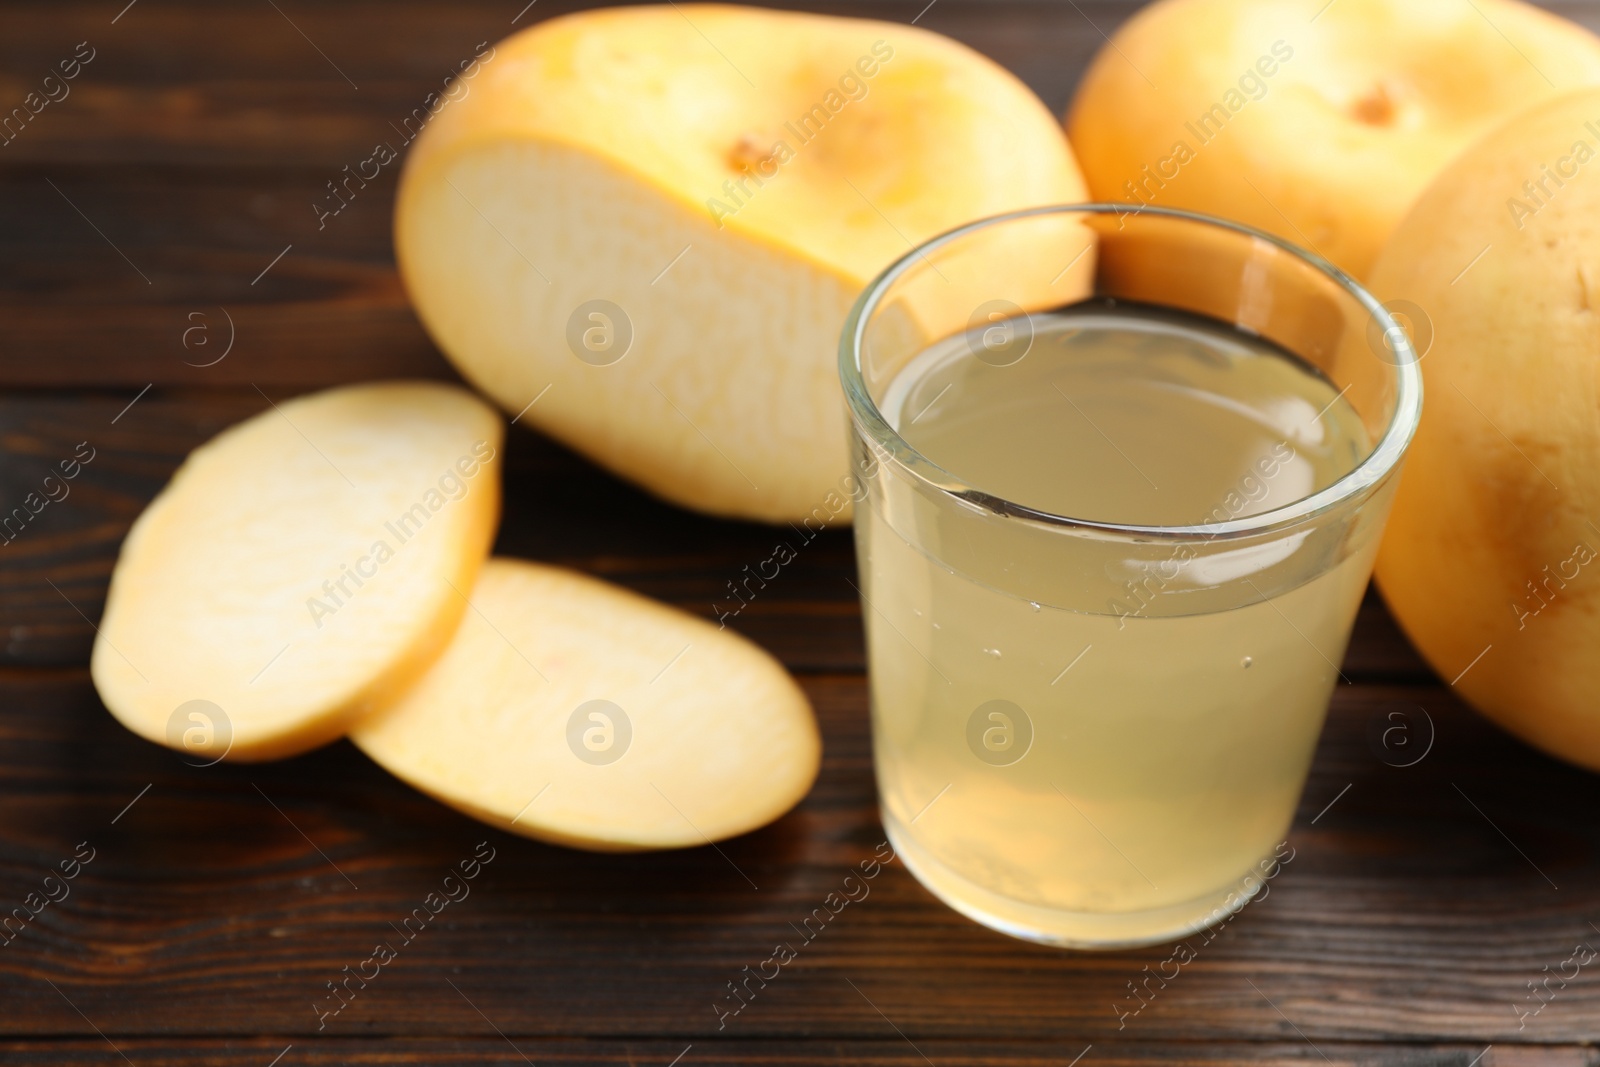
(163, 278)
(887, 1052)
(1404, 915)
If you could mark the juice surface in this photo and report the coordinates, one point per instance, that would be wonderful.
(1128, 415)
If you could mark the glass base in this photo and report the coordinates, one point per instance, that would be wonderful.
(1069, 929)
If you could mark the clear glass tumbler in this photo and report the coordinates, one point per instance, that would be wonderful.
(1090, 733)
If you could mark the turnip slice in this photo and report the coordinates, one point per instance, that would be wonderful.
(300, 568)
(572, 711)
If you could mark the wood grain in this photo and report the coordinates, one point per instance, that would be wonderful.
(890, 1052)
(231, 893)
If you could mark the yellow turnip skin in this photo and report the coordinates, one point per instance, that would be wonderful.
(1318, 122)
(1489, 562)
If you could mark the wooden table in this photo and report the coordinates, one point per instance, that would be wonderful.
(164, 208)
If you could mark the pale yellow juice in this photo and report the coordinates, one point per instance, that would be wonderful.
(1106, 767)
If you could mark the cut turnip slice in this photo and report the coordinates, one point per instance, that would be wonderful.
(572, 711)
(301, 568)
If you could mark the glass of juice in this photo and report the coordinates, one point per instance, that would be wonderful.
(1120, 477)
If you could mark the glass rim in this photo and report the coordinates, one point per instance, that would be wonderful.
(1384, 456)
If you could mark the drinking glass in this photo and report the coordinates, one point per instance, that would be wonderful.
(1089, 733)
